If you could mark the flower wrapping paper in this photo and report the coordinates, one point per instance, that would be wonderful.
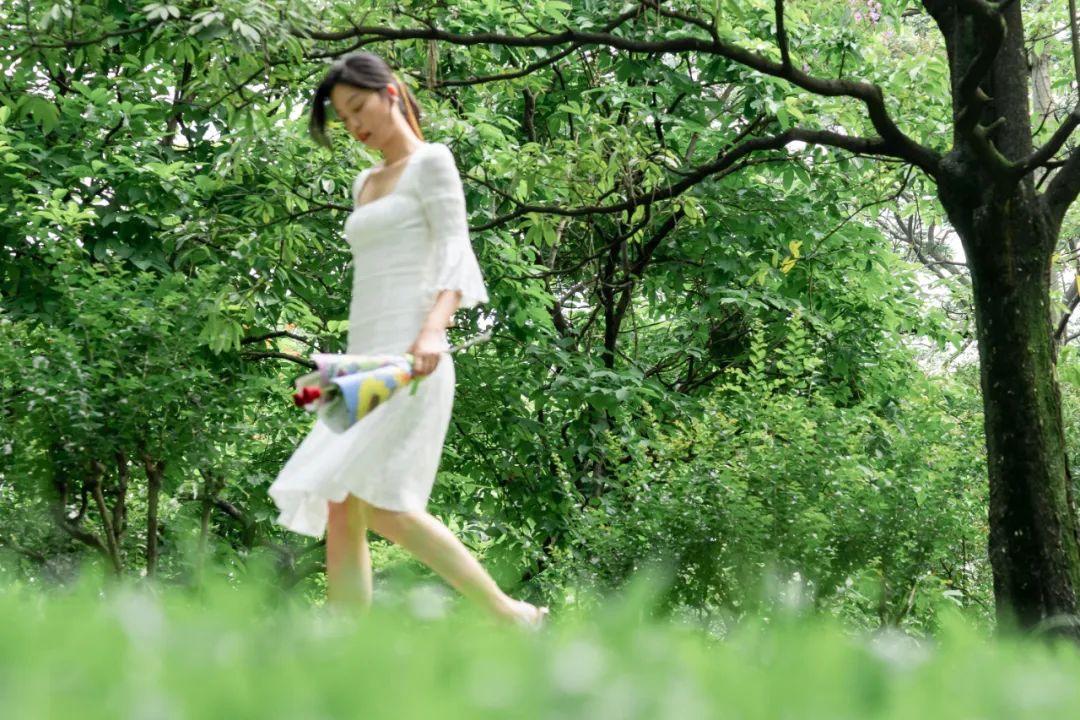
(345, 388)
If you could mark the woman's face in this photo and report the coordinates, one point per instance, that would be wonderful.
(362, 111)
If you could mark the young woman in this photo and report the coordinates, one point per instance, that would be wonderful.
(413, 266)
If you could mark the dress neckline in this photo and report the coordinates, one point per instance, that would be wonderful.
(400, 178)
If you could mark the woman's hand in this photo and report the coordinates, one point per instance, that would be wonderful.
(432, 339)
(426, 350)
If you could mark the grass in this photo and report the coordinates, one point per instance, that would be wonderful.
(143, 653)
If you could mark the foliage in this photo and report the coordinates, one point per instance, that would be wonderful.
(877, 507)
(113, 389)
(236, 651)
(719, 375)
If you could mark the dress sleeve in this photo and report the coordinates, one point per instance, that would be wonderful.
(443, 202)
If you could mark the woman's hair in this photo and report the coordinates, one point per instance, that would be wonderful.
(362, 70)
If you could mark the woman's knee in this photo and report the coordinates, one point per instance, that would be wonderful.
(391, 524)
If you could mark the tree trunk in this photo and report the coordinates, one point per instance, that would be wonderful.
(155, 469)
(1034, 542)
(112, 543)
(152, 500)
(1009, 233)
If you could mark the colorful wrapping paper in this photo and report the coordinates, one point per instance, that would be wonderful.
(344, 388)
(351, 386)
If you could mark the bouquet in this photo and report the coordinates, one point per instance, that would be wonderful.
(344, 387)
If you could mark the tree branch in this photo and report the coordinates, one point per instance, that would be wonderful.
(971, 100)
(1055, 143)
(1072, 298)
(1063, 189)
(480, 79)
(276, 334)
(684, 17)
(899, 144)
(82, 42)
(721, 167)
(1075, 32)
(58, 509)
(614, 23)
(179, 98)
(41, 558)
(781, 36)
(251, 355)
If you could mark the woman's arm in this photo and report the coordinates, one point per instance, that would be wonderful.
(446, 304)
(429, 341)
(458, 280)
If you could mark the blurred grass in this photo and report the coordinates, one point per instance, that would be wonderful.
(128, 651)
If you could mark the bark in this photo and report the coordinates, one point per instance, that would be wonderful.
(155, 470)
(152, 503)
(111, 543)
(120, 508)
(212, 485)
(72, 526)
(1034, 542)
(1009, 233)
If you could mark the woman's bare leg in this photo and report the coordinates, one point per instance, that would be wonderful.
(432, 543)
(348, 559)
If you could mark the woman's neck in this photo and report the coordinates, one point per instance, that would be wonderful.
(400, 150)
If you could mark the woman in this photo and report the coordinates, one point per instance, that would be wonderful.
(413, 266)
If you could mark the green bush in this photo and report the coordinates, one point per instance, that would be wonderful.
(875, 510)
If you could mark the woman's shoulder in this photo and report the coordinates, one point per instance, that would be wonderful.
(436, 149)
(437, 159)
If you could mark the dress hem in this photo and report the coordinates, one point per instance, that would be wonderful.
(293, 517)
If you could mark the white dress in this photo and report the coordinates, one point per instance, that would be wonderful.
(407, 246)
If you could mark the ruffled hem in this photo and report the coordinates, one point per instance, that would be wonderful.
(306, 511)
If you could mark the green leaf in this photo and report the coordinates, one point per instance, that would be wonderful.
(43, 111)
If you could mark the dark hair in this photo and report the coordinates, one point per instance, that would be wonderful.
(363, 70)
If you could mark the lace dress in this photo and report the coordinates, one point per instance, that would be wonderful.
(407, 246)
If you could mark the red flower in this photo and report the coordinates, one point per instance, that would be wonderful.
(306, 395)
